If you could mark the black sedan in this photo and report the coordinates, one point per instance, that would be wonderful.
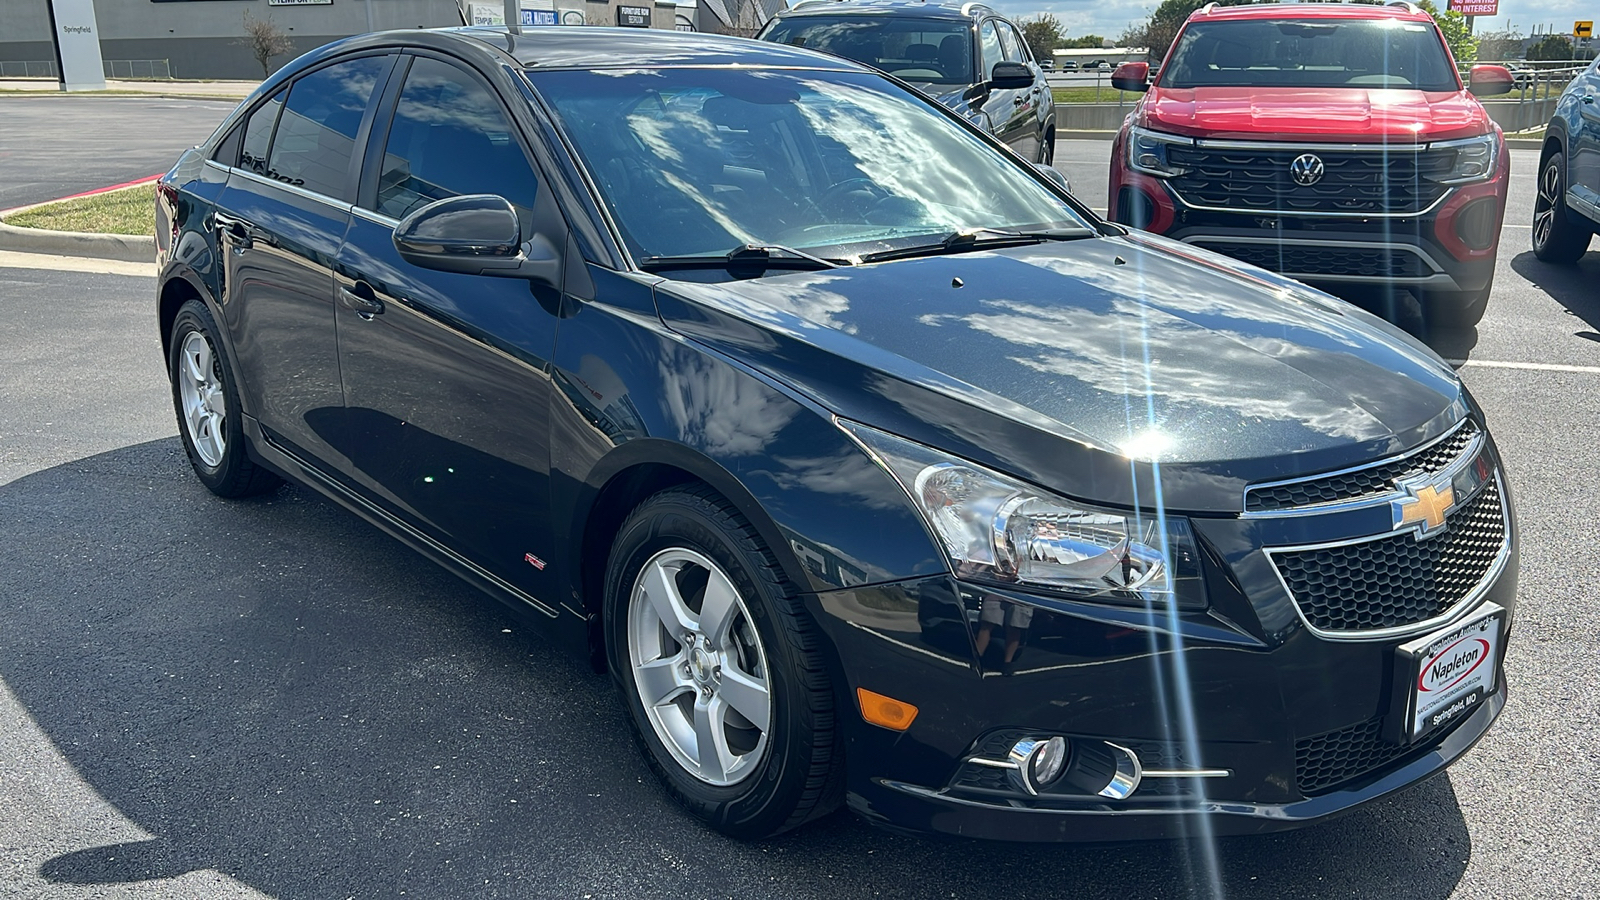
(873, 467)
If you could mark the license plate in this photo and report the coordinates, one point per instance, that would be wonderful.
(1444, 676)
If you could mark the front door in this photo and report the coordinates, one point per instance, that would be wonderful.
(1584, 167)
(446, 376)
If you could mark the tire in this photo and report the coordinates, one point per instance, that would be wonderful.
(1557, 236)
(1047, 149)
(206, 400)
(1456, 309)
(676, 550)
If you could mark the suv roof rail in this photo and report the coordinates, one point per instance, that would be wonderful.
(1407, 5)
(967, 8)
(1206, 10)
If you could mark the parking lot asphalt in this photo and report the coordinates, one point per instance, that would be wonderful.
(202, 698)
(55, 146)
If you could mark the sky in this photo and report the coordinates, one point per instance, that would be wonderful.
(1110, 17)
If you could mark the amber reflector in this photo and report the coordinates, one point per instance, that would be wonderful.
(887, 712)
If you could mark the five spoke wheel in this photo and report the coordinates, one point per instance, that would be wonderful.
(699, 666)
(204, 405)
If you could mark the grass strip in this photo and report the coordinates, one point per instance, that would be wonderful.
(126, 211)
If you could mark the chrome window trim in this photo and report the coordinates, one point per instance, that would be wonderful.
(1468, 453)
(376, 218)
(293, 189)
(1462, 607)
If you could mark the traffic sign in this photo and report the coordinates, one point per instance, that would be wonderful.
(1583, 29)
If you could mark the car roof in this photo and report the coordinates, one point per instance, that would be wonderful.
(920, 9)
(593, 47)
(1404, 11)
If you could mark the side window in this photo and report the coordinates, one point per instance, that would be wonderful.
(1012, 44)
(258, 135)
(317, 132)
(989, 37)
(450, 136)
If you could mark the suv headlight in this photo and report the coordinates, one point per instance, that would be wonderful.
(1148, 152)
(1000, 530)
(1475, 158)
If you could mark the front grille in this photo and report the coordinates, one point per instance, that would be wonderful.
(1353, 181)
(1325, 762)
(1298, 259)
(1397, 581)
(1371, 481)
(1328, 760)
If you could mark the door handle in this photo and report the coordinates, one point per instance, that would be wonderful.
(361, 299)
(235, 231)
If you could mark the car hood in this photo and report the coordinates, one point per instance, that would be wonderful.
(1067, 363)
(1336, 114)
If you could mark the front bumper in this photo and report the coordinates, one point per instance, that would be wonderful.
(1251, 713)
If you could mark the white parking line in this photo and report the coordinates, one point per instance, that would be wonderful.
(13, 259)
(1536, 367)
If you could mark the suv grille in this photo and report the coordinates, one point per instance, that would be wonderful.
(1397, 581)
(1299, 259)
(1371, 481)
(1353, 181)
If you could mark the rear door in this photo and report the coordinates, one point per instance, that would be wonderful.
(1023, 130)
(1584, 169)
(280, 221)
(446, 376)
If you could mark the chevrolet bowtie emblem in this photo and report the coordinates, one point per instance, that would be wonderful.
(1424, 508)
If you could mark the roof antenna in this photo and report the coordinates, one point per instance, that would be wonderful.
(514, 16)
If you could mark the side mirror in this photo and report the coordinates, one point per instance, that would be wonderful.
(475, 234)
(1055, 176)
(1131, 76)
(1010, 75)
(1488, 81)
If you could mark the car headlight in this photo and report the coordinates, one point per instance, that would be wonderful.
(1148, 152)
(1000, 530)
(1475, 158)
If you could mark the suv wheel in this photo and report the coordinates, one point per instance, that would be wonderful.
(1556, 236)
(1456, 309)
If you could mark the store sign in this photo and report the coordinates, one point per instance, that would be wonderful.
(77, 38)
(633, 16)
(299, 2)
(1476, 7)
(486, 13)
(532, 17)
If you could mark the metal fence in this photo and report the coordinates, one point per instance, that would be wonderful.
(146, 69)
(28, 68)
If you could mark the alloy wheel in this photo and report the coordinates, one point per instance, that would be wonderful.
(1545, 204)
(699, 666)
(205, 408)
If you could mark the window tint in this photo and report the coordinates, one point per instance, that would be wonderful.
(931, 51)
(449, 137)
(317, 132)
(258, 134)
(989, 38)
(1311, 53)
(1008, 40)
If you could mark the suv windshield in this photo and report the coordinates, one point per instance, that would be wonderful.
(695, 161)
(1315, 53)
(930, 51)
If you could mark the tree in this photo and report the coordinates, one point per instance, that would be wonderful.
(1551, 46)
(1499, 45)
(265, 40)
(1159, 31)
(1043, 34)
(1457, 35)
(1087, 42)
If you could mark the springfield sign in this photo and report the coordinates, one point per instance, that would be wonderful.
(1476, 7)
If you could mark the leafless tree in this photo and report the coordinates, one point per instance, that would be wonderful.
(265, 40)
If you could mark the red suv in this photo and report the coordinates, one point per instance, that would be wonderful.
(1334, 143)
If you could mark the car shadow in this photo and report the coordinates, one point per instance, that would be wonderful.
(274, 690)
(1574, 287)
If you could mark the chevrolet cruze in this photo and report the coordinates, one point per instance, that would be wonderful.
(873, 467)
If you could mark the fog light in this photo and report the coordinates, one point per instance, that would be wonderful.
(1049, 759)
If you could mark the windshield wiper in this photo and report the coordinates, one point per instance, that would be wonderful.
(748, 257)
(973, 238)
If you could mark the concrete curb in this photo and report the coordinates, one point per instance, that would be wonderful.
(125, 247)
(1079, 134)
(1525, 143)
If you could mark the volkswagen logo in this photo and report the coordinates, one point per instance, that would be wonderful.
(1306, 169)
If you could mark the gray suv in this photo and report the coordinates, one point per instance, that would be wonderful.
(968, 57)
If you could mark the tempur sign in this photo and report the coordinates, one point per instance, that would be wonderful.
(77, 45)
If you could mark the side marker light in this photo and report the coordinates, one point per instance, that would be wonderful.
(885, 712)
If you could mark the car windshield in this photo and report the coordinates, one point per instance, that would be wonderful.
(703, 161)
(1311, 53)
(931, 51)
